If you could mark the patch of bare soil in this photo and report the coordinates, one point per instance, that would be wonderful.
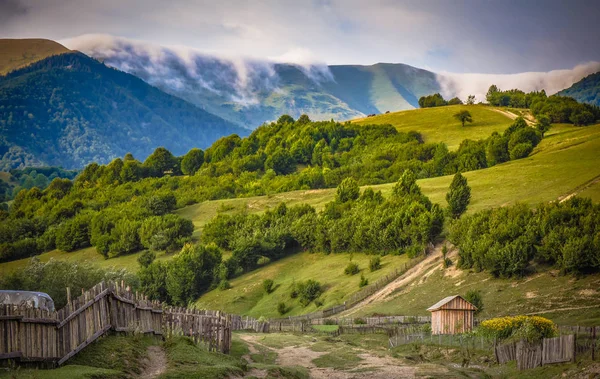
(371, 366)
(528, 118)
(155, 364)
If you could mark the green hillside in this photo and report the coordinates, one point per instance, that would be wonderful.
(439, 125)
(587, 90)
(70, 110)
(17, 53)
(247, 296)
(565, 162)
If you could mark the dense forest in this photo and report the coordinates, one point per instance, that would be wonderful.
(124, 206)
(69, 110)
(30, 177)
(587, 90)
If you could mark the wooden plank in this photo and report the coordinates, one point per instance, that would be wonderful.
(11, 317)
(83, 308)
(11, 355)
(84, 344)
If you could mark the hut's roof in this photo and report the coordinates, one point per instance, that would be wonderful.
(445, 301)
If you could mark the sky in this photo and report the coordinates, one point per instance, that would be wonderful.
(457, 36)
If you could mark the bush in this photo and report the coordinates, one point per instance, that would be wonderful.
(282, 308)
(146, 258)
(318, 303)
(224, 285)
(351, 269)
(363, 281)
(359, 321)
(268, 285)
(520, 150)
(375, 263)
(530, 328)
(307, 291)
(474, 297)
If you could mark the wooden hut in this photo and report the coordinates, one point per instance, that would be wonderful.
(452, 315)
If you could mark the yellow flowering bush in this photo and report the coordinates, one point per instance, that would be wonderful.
(531, 328)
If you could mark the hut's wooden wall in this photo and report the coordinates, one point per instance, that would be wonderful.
(454, 317)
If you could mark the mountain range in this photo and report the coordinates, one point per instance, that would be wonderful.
(69, 108)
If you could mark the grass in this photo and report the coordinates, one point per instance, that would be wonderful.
(17, 53)
(185, 359)
(439, 125)
(341, 359)
(567, 300)
(326, 328)
(248, 297)
(114, 356)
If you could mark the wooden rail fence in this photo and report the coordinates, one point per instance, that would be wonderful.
(35, 335)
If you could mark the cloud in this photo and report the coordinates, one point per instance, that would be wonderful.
(238, 79)
(463, 85)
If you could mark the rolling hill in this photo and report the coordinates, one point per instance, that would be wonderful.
(587, 90)
(69, 110)
(17, 53)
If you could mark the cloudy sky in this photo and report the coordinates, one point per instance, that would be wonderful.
(445, 35)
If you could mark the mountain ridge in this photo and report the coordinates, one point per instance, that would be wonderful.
(69, 110)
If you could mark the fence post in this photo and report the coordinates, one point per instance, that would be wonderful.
(575, 347)
(593, 343)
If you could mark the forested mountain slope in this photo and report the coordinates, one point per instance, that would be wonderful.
(69, 110)
(587, 90)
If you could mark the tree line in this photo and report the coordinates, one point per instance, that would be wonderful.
(107, 206)
(506, 241)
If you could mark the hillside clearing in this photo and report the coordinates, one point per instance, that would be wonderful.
(247, 296)
(439, 125)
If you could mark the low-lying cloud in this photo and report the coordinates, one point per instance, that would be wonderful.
(463, 85)
(181, 68)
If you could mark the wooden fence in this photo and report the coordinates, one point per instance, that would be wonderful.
(358, 296)
(34, 335)
(550, 350)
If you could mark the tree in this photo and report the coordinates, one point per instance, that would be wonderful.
(191, 272)
(459, 196)
(471, 100)
(474, 297)
(543, 124)
(407, 185)
(455, 101)
(161, 161)
(281, 162)
(491, 94)
(463, 116)
(348, 190)
(192, 161)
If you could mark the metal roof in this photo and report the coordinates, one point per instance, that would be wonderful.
(445, 301)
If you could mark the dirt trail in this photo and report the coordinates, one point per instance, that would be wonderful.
(155, 363)
(371, 366)
(433, 259)
(513, 116)
(579, 189)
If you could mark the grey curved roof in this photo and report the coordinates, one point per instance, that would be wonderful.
(32, 299)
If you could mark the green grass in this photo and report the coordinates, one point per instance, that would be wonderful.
(17, 53)
(326, 328)
(113, 356)
(188, 360)
(564, 299)
(341, 359)
(439, 125)
(247, 296)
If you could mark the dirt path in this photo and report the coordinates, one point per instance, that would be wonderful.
(579, 189)
(155, 363)
(371, 366)
(433, 259)
(513, 116)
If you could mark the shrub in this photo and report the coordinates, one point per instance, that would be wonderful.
(351, 269)
(359, 321)
(282, 308)
(363, 281)
(531, 328)
(146, 258)
(474, 297)
(224, 285)
(268, 285)
(318, 303)
(307, 291)
(375, 263)
(521, 150)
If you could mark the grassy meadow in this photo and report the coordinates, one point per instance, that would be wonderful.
(439, 125)
(17, 53)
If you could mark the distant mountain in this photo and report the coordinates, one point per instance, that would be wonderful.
(587, 90)
(17, 53)
(250, 92)
(69, 110)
